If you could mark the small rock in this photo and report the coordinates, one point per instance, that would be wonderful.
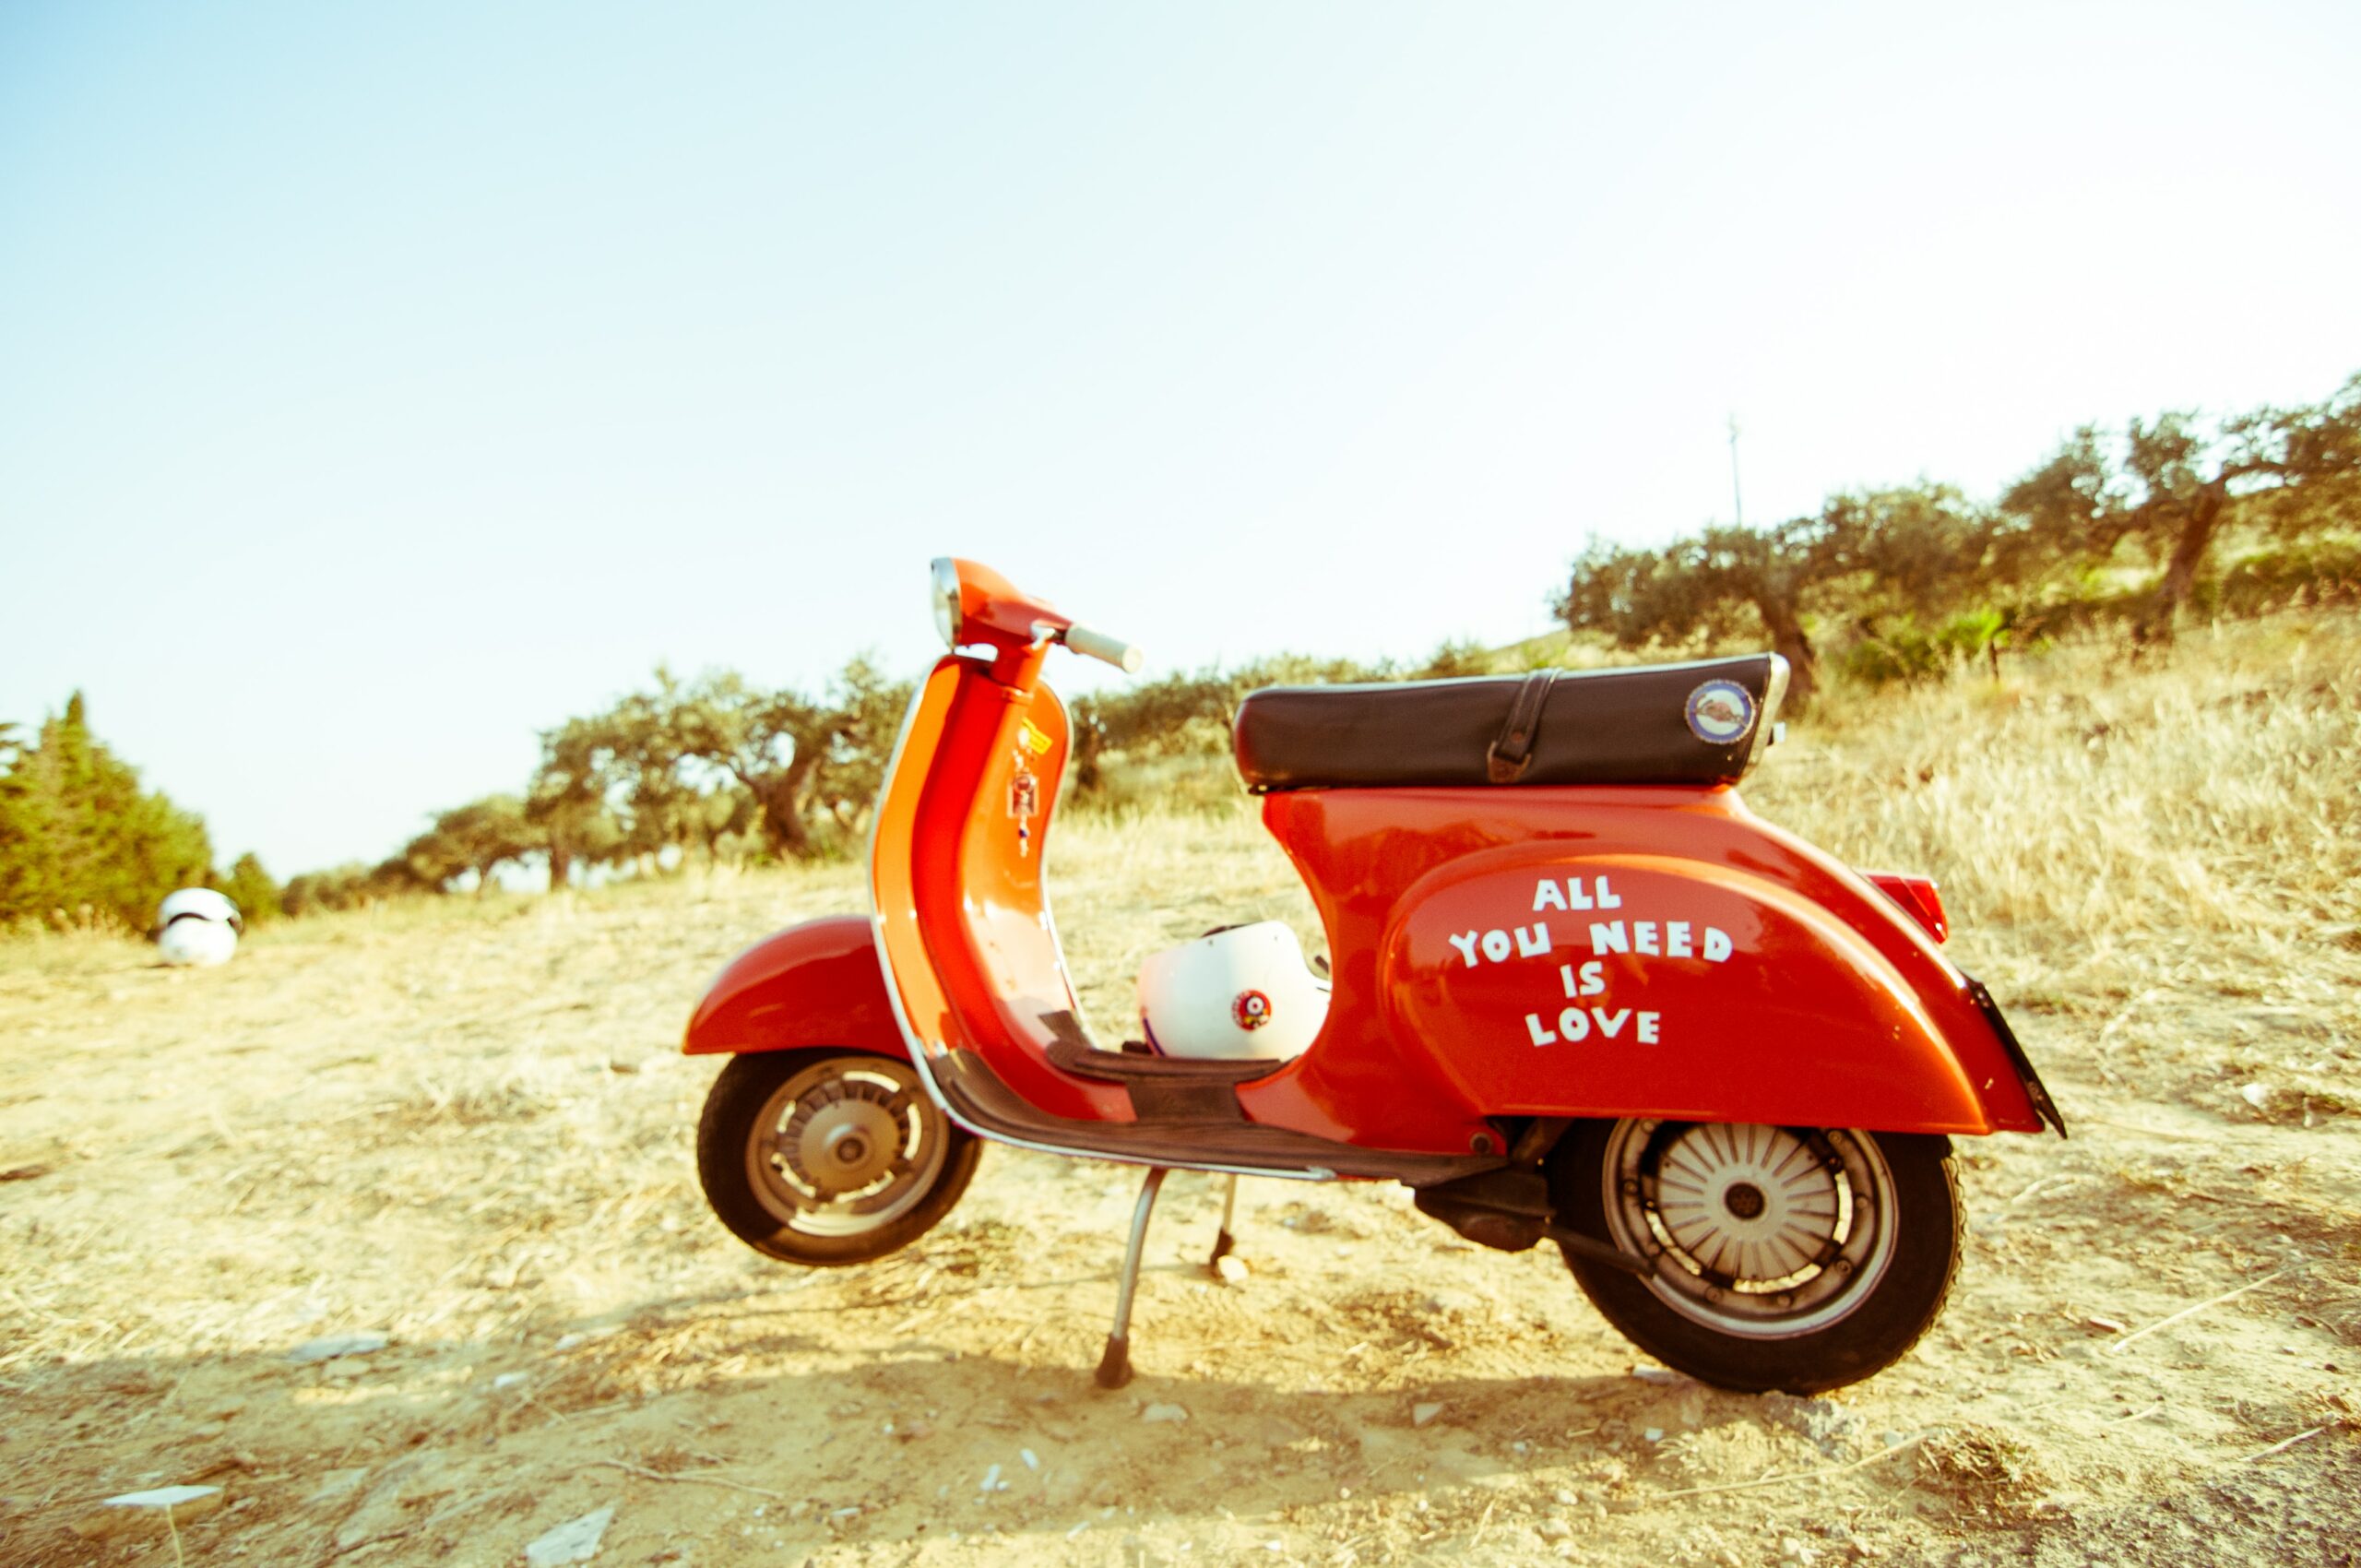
(911, 1431)
(2103, 1325)
(425, 1476)
(1231, 1269)
(330, 1346)
(507, 1380)
(337, 1484)
(1656, 1375)
(1654, 1434)
(182, 1503)
(1554, 1530)
(1425, 1412)
(1164, 1413)
(2256, 1095)
(992, 1481)
(576, 1541)
(1032, 1460)
(1829, 1425)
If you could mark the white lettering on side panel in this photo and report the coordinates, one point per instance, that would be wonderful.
(1683, 939)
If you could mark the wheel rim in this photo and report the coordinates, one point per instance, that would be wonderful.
(1759, 1231)
(846, 1145)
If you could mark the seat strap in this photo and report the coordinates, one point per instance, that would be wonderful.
(1513, 750)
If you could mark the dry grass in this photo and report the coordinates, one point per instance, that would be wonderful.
(462, 1124)
(2186, 797)
(2124, 840)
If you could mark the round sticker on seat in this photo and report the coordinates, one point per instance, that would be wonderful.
(1720, 712)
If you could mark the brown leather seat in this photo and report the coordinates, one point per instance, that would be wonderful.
(1702, 723)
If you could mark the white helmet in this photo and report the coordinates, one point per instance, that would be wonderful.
(1241, 992)
(197, 925)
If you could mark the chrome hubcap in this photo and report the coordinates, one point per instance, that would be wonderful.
(1746, 1203)
(1763, 1232)
(846, 1145)
(841, 1145)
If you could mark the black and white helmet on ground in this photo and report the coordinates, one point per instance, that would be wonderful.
(197, 926)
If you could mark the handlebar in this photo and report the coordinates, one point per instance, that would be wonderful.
(1100, 645)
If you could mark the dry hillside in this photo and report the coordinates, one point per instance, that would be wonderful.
(461, 1125)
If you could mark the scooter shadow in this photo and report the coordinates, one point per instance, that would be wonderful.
(928, 1439)
(690, 1415)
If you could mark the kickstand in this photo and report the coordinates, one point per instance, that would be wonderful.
(1115, 1366)
(1224, 1243)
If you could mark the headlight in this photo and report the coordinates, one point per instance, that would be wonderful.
(947, 601)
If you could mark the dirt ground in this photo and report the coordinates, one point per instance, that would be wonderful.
(463, 1127)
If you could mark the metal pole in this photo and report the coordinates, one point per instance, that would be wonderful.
(1224, 1243)
(1738, 503)
(1115, 1366)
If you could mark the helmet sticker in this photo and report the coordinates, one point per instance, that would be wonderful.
(1251, 1010)
(1721, 713)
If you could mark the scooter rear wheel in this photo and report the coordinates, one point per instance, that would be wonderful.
(1794, 1258)
(827, 1157)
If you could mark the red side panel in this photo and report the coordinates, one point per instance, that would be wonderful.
(813, 984)
(1726, 970)
(1621, 985)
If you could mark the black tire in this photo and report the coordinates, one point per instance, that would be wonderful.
(759, 1183)
(1855, 1306)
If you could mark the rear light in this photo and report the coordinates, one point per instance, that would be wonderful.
(1919, 899)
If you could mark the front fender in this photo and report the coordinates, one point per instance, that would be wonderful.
(818, 983)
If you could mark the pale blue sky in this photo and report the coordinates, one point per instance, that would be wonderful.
(379, 385)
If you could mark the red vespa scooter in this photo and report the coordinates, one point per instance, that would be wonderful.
(1580, 993)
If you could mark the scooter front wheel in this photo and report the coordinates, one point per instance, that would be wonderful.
(1794, 1258)
(828, 1158)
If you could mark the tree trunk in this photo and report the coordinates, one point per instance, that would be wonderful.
(2189, 551)
(560, 865)
(781, 798)
(1789, 642)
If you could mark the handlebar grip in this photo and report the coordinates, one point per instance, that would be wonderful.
(1100, 645)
